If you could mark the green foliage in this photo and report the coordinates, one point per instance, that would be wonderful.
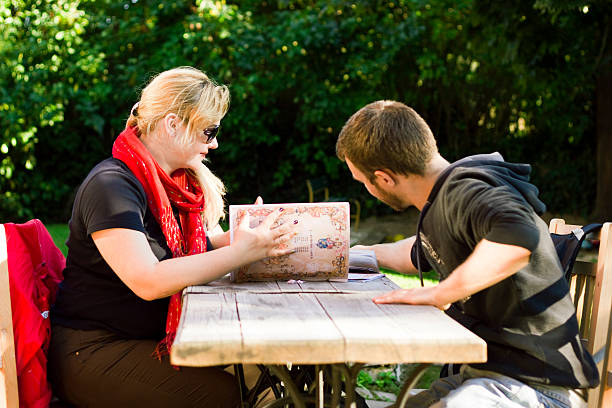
(515, 77)
(385, 381)
(382, 378)
(364, 379)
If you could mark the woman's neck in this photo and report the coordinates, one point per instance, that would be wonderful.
(154, 144)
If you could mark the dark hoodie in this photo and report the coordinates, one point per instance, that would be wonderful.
(528, 320)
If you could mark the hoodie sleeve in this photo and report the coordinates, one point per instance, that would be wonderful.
(422, 260)
(480, 206)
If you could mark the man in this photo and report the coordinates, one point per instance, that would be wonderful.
(479, 229)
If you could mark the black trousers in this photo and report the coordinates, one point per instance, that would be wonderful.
(96, 368)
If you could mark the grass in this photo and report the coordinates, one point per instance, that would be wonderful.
(411, 281)
(59, 233)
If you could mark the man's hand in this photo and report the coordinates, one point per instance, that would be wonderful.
(415, 296)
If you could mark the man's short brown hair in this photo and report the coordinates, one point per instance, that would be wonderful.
(387, 135)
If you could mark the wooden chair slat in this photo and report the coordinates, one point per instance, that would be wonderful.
(587, 308)
(579, 295)
(583, 268)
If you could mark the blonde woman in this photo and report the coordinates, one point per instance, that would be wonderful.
(140, 232)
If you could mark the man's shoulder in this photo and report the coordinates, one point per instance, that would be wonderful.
(461, 178)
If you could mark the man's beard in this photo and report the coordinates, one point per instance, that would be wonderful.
(393, 201)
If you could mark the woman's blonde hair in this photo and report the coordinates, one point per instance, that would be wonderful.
(199, 102)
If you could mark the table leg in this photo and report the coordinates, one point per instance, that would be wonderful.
(350, 382)
(265, 383)
(294, 393)
(336, 387)
(320, 387)
(409, 384)
(239, 372)
(301, 393)
(277, 403)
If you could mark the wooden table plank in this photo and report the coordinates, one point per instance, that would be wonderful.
(318, 287)
(431, 336)
(284, 328)
(399, 333)
(286, 287)
(209, 331)
(366, 329)
(306, 286)
(378, 285)
(224, 284)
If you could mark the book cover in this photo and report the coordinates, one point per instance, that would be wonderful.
(321, 243)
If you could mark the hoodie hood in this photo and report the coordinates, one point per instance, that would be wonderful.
(515, 175)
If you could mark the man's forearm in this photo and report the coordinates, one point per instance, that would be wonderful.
(396, 255)
(489, 264)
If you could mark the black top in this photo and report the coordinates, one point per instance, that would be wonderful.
(92, 296)
(528, 320)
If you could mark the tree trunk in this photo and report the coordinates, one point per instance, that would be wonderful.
(603, 202)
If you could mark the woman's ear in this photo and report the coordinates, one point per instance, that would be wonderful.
(170, 123)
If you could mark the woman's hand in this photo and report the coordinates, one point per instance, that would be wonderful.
(220, 238)
(264, 240)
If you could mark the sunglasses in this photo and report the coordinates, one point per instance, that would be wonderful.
(211, 133)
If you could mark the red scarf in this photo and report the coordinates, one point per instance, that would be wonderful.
(182, 190)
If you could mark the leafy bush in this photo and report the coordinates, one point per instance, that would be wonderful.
(297, 70)
(385, 381)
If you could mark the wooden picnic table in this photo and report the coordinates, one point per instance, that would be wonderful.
(332, 325)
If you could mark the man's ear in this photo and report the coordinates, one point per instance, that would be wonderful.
(385, 177)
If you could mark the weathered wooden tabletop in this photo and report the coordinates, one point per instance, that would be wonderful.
(314, 323)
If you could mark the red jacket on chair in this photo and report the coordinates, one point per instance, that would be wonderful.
(36, 268)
